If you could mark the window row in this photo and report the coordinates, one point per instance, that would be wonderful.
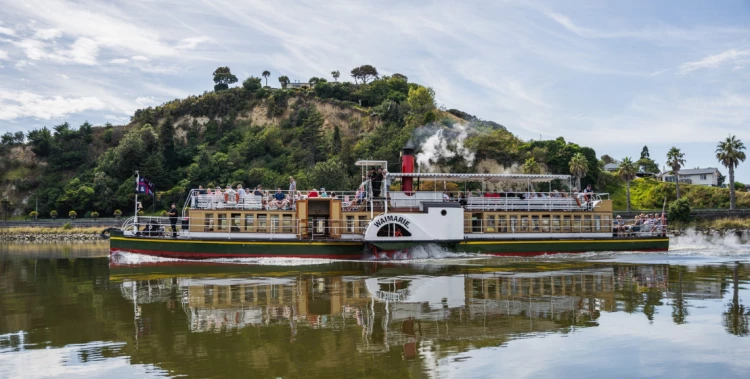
(520, 223)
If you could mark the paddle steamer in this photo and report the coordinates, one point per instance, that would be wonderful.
(497, 218)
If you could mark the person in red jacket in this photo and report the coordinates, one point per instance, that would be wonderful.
(313, 193)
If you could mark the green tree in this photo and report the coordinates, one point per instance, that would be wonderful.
(223, 77)
(336, 74)
(41, 141)
(606, 159)
(531, 167)
(364, 73)
(679, 211)
(578, 167)
(265, 75)
(736, 318)
(252, 84)
(400, 76)
(7, 207)
(330, 174)
(730, 153)
(645, 153)
(676, 160)
(647, 165)
(421, 99)
(627, 172)
(284, 80)
(336, 140)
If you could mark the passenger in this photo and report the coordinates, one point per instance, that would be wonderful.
(377, 182)
(173, 219)
(555, 193)
(229, 194)
(299, 196)
(258, 190)
(588, 193)
(312, 194)
(240, 194)
(201, 191)
(218, 197)
(292, 189)
(461, 199)
(334, 196)
(323, 192)
(619, 226)
(446, 197)
(279, 200)
(636, 227)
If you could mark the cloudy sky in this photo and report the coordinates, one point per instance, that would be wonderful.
(611, 75)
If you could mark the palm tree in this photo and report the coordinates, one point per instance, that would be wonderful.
(578, 167)
(737, 316)
(627, 171)
(729, 153)
(335, 75)
(266, 74)
(284, 80)
(531, 167)
(675, 160)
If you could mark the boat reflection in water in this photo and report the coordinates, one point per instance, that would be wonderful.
(400, 307)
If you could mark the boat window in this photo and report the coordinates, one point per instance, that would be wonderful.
(566, 223)
(598, 223)
(502, 224)
(490, 224)
(587, 223)
(249, 222)
(545, 223)
(223, 293)
(262, 223)
(534, 223)
(524, 223)
(555, 223)
(287, 224)
(513, 223)
(208, 294)
(350, 224)
(234, 292)
(362, 224)
(606, 222)
(208, 222)
(249, 297)
(576, 224)
(476, 222)
(236, 221)
(222, 221)
(274, 223)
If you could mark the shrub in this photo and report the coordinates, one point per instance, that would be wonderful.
(163, 214)
(53, 214)
(679, 210)
(118, 213)
(66, 226)
(33, 214)
(140, 213)
(94, 214)
(72, 214)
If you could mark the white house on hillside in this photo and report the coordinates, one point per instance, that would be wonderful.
(700, 176)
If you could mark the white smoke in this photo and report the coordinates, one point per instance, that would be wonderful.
(443, 142)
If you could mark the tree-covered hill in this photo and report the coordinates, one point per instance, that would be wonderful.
(254, 134)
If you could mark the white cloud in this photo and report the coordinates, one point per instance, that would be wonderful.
(3, 55)
(15, 105)
(193, 42)
(7, 31)
(145, 101)
(139, 58)
(82, 51)
(119, 61)
(21, 64)
(66, 77)
(713, 61)
(47, 34)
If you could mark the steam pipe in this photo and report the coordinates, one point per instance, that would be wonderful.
(407, 166)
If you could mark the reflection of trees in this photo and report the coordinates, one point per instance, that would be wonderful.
(736, 317)
(679, 308)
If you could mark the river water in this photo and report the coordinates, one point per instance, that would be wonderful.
(67, 310)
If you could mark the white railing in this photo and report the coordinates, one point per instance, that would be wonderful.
(504, 201)
(567, 224)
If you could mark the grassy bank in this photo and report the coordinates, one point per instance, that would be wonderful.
(49, 231)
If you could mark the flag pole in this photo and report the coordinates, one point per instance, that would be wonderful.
(137, 181)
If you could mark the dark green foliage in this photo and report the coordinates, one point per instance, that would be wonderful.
(40, 141)
(223, 77)
(252, 84)
(10, 139)
(679, 210)
(364, 73)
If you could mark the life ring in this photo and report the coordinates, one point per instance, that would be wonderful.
(226, 197)
(237, 197)
(398, 233)
(578, 201)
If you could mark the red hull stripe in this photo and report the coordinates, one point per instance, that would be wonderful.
(191, 255)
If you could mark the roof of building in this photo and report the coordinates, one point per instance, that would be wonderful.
(698, 171)
(611, 166)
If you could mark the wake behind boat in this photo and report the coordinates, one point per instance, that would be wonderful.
(502, 215)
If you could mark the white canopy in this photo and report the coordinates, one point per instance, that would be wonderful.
(368, 163)
(492, 178)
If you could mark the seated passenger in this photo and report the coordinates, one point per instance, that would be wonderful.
(555, 193)
(446, 197)
(218, 197)
(258, 190)
(201, 191)
(240, 192)
(229, 194)
(279, 200)
(299, 196)
(323, 192)
(313, 194)
(333, 195)
(619, 226)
